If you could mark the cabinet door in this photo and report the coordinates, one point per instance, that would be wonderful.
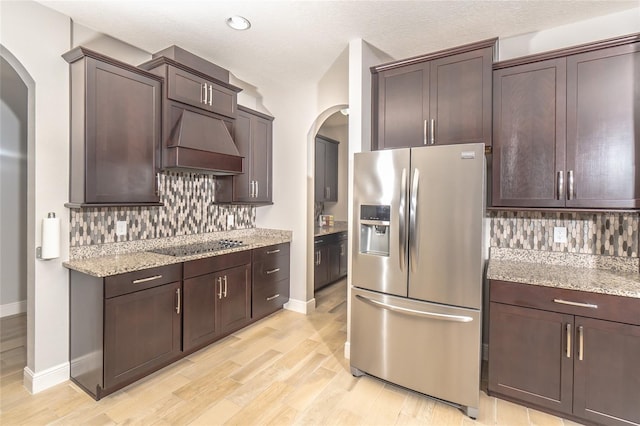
(331, 172)
(123, 134)
(242, 137)
(530, 355)
(234, 305)
(320, 167)
(607, 372)
(402, 107)
(141, 332)
(261, 147)
(529, 135)
(460, 93)
(200, 295)
(194, 90)
(343, 258)
(321, 266)
(603, 125)
(334, 261)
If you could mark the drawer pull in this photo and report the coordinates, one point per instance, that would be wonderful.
(275, 296)
(582, 305)
(273, 271)
(144, 280)
(273, 251)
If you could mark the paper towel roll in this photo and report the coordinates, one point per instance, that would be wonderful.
(50, 237)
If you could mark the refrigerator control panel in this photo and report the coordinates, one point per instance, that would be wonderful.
(381, 213)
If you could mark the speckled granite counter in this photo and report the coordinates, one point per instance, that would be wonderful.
(112, 259)
(596, 274)
(338, 226)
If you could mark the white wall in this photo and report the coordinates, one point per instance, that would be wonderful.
(600, 28)
(36, 37)
(13, 191)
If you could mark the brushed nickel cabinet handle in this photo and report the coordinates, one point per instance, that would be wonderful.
(560, 185)
(219, 282)
(210, 95)
(144, 280)
(319, 258)
(570, 192)
(273, 271)
(204, 88)
(582, 305)
(273, 251)
(157, 183)
(568, 340)
(225, 286)
(424, 133)
(580, 343)
(178, 304)
(432, 131)
(275, 296)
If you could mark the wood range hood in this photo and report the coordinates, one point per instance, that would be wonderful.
(201, 142)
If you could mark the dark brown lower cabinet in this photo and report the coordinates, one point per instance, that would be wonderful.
(123, 327)
(217, 298)
(577, 360)
(270, 289)
(330, 259)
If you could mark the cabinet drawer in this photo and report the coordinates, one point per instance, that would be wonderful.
(130, 282)
(191, 89)
(602, 306)
(207, 265)
(269, 297)
(270, 252)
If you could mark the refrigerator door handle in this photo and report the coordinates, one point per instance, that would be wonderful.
(402, 219)
(413, 226)
(414, 312)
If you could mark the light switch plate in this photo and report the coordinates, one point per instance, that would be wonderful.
(230, 221)
(121, 228)
(559, 234)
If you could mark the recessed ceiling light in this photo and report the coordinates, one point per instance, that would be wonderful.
(239, 23)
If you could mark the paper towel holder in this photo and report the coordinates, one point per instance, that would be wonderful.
(50, 215)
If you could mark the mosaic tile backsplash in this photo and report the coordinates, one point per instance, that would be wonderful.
(610, 233)
(188, 209)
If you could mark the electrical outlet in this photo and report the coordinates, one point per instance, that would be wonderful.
(121, 228)
(559, 234)
(230, 221)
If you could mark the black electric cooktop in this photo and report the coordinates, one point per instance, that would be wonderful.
(198, 248)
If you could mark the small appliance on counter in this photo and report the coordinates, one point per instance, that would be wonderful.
(325, 220)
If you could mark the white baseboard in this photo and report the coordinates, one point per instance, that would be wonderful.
(13, 308)
(37, 382)
(301, 306)
(485, 351)
(347, 350)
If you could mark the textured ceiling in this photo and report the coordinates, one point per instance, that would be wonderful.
(297, 41)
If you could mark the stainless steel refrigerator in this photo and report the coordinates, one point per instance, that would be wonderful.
(417, 269)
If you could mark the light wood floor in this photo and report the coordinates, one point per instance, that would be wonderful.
(286, 369)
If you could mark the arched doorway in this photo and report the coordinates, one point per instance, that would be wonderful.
(16, 221)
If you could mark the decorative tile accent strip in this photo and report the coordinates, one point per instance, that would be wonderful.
(188, 209)
(610, 233)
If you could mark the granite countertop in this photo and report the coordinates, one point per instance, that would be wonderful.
(338, 226)
(595, 274)
(118, 258)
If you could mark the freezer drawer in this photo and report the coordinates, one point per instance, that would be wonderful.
(430, 348)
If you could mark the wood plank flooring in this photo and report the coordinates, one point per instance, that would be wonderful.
(288, 369)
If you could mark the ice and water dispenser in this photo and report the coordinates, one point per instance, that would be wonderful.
(374, 229)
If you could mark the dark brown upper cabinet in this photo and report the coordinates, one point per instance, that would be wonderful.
(565, 128)
(254, 139)
(326, 169)
(115, 131)
(189, 88)
(440, 98)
